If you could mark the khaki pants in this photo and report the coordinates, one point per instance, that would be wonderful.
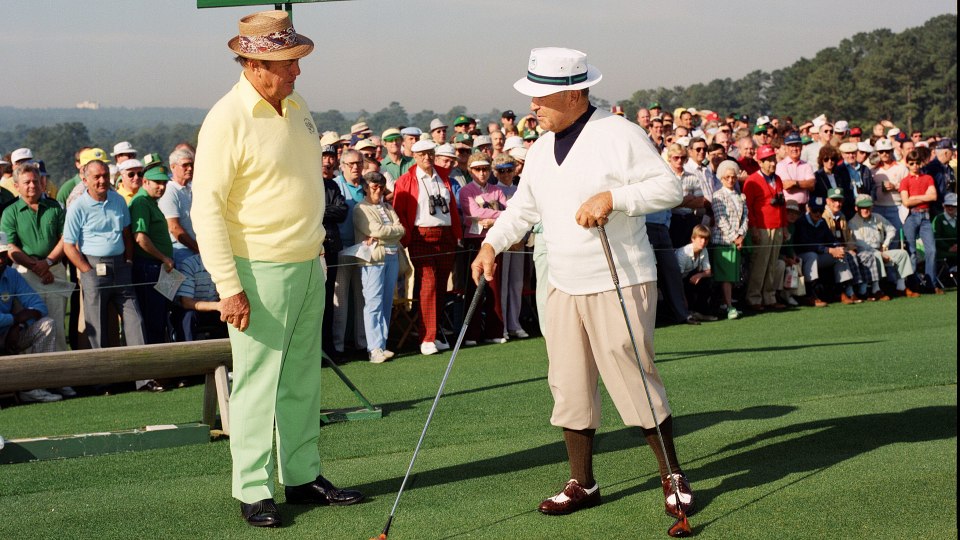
(586, 338)
(762, 287)
(53, 296)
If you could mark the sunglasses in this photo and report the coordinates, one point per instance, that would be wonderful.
(700, 149)
(826, 131)
(369, 155)
(134, 174)
(480, 169)
(830, 159)
(912, 162)
(504, 170)
(884, 151)
(352, 163)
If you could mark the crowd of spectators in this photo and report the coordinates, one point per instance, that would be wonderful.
(775, 214)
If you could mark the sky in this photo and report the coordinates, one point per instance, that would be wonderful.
(424, 54)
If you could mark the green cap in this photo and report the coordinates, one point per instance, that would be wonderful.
(864, 201)
(806, 139)
(151, 160)
(157, 173)
(655, 105)
(762, 128)
(835, 193)
(461, 120)
(530, 135)
(463, 138)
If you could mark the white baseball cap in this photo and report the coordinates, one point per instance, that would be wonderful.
(21, 154)
(424, 146)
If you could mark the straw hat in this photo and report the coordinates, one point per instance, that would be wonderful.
(269, 35)
(555, 69)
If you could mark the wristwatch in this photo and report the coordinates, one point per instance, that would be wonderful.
(50, 262)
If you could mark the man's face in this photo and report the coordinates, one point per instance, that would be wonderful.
(329, 163)
(97, 180)
(793, 216)
(277, 77)
(132, 179)
(722, 138)
(865, 213)
(716, 157)
(950, 211)
(849, 157)
(906, 147)
(508, 121)
(123, 157)
(487, 149)
(862, 156)
(439, 135)
(183, 171)
(944, 155)
(409, 141)
(424, 160)
(445, 162)
(553, 111)
(698, 152)
(768, 165)
(793, 151)
(761, 138)
(155, 189)
(498, 138)
(29, 186)
(392, 146)
(747, 148)
(826, 133)
(668, 120)
(835, 205)
(886, 156)
(656, 129)
(815, 213)
(686, 120)
(643, 118)
(916, 136)
(352, 167)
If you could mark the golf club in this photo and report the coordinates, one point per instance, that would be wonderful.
(443, 382)
(680, 528)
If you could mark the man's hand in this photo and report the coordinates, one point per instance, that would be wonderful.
(594, 211)
(236, 311)
(168, 264)
(485, 264)
(837, 252)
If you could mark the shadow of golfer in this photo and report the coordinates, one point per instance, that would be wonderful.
(815, 446)
(395, 406)
(555, 453)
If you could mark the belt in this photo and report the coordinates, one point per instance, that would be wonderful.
(918, 210)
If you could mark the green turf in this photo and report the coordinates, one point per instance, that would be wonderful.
(814, 423)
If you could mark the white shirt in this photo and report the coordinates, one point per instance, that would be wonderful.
(611, 154)
(432, 185)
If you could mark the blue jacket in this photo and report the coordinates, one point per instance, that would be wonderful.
(14, 287)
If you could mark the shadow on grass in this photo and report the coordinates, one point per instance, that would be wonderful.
(395, 406)
(671, 356)
(806, 448)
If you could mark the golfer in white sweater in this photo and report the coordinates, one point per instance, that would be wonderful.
(591, 168)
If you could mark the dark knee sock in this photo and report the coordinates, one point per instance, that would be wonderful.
(666, 429)
(580, 453)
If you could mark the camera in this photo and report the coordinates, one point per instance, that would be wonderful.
(777, 200)
(438, 201)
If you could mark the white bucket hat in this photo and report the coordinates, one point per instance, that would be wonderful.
(555, 69)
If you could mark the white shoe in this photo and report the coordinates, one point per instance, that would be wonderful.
(39, 396)
(732, 313)
(428, 347)
(388, 354)
(441, 346)
(67, 392)
(521, 334)
(497, 340)
(469, 343)
(377, 356)
(790, 301)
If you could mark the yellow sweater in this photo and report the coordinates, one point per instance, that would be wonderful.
(258, 188)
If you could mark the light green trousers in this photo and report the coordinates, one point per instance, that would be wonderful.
(276, 377)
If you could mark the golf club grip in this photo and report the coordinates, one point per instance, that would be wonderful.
(606, 251)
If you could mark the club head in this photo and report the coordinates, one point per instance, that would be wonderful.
(680, 528)
(380, 536)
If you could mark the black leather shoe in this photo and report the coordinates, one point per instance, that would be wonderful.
(261, 513)
(322, 492)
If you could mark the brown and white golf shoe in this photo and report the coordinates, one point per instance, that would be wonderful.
(670, 497)
(573, 497)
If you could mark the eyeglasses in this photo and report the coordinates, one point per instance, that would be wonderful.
(503, 170)
(369, 155)
(480, 169)
(884, 151)
(134, 174)
(828, 131)
(676, 158)
(830, 159)
(700, 149)
(371, 185)
(353, 163)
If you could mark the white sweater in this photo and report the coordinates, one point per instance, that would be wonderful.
(611, 154)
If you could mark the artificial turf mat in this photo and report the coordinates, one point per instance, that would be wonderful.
(812, 423)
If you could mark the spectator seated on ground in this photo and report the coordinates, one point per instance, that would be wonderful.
(697, 274)
(24, 325)
(837, 221)
(198, 316)
(945, 231)
(819, 253)
(873, 235)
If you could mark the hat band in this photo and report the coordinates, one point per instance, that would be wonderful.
(556, 81)
(271, 42)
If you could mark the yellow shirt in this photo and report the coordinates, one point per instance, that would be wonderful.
(124, 192)
(258, 184)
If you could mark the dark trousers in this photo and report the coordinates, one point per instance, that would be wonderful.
(699, 296)
(487, 322)
(330, 257)
(668, 271)
(154, 307)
